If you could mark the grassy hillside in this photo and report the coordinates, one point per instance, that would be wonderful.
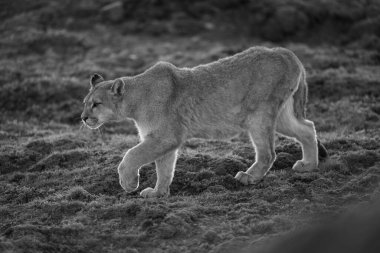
(59, 189)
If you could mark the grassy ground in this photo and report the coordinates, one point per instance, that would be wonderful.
(59, 185)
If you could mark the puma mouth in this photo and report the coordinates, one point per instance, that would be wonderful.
(92, 124)
(94, 127)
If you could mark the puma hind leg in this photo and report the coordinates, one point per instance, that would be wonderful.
(303, 131)
(261, 131)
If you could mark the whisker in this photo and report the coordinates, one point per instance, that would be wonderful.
(82, 126)
(102, 136)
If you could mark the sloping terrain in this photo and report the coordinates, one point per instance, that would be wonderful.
(59, 189)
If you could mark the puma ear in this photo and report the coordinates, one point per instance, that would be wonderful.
(95, 79)
(118, 87)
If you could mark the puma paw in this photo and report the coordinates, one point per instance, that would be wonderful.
(302, 166)
(129, 185)
(246, 179)
(152, 193)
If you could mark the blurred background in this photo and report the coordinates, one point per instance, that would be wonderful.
(58, 182)
(58, 44)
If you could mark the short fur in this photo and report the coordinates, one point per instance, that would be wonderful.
(260, 91)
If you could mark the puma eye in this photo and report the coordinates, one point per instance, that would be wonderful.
(95, 105)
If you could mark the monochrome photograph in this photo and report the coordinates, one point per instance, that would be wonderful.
(221, 126)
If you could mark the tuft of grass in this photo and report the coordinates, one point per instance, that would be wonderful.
(78, 193)
(263, 227)
(204, 175)
(63, 159)
(360, 159)
(172, 226)
(211, 237)
(335, 166)
(284, 161)
(124, 211)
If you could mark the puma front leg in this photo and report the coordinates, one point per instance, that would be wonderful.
(146, 152)
(165, 172)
